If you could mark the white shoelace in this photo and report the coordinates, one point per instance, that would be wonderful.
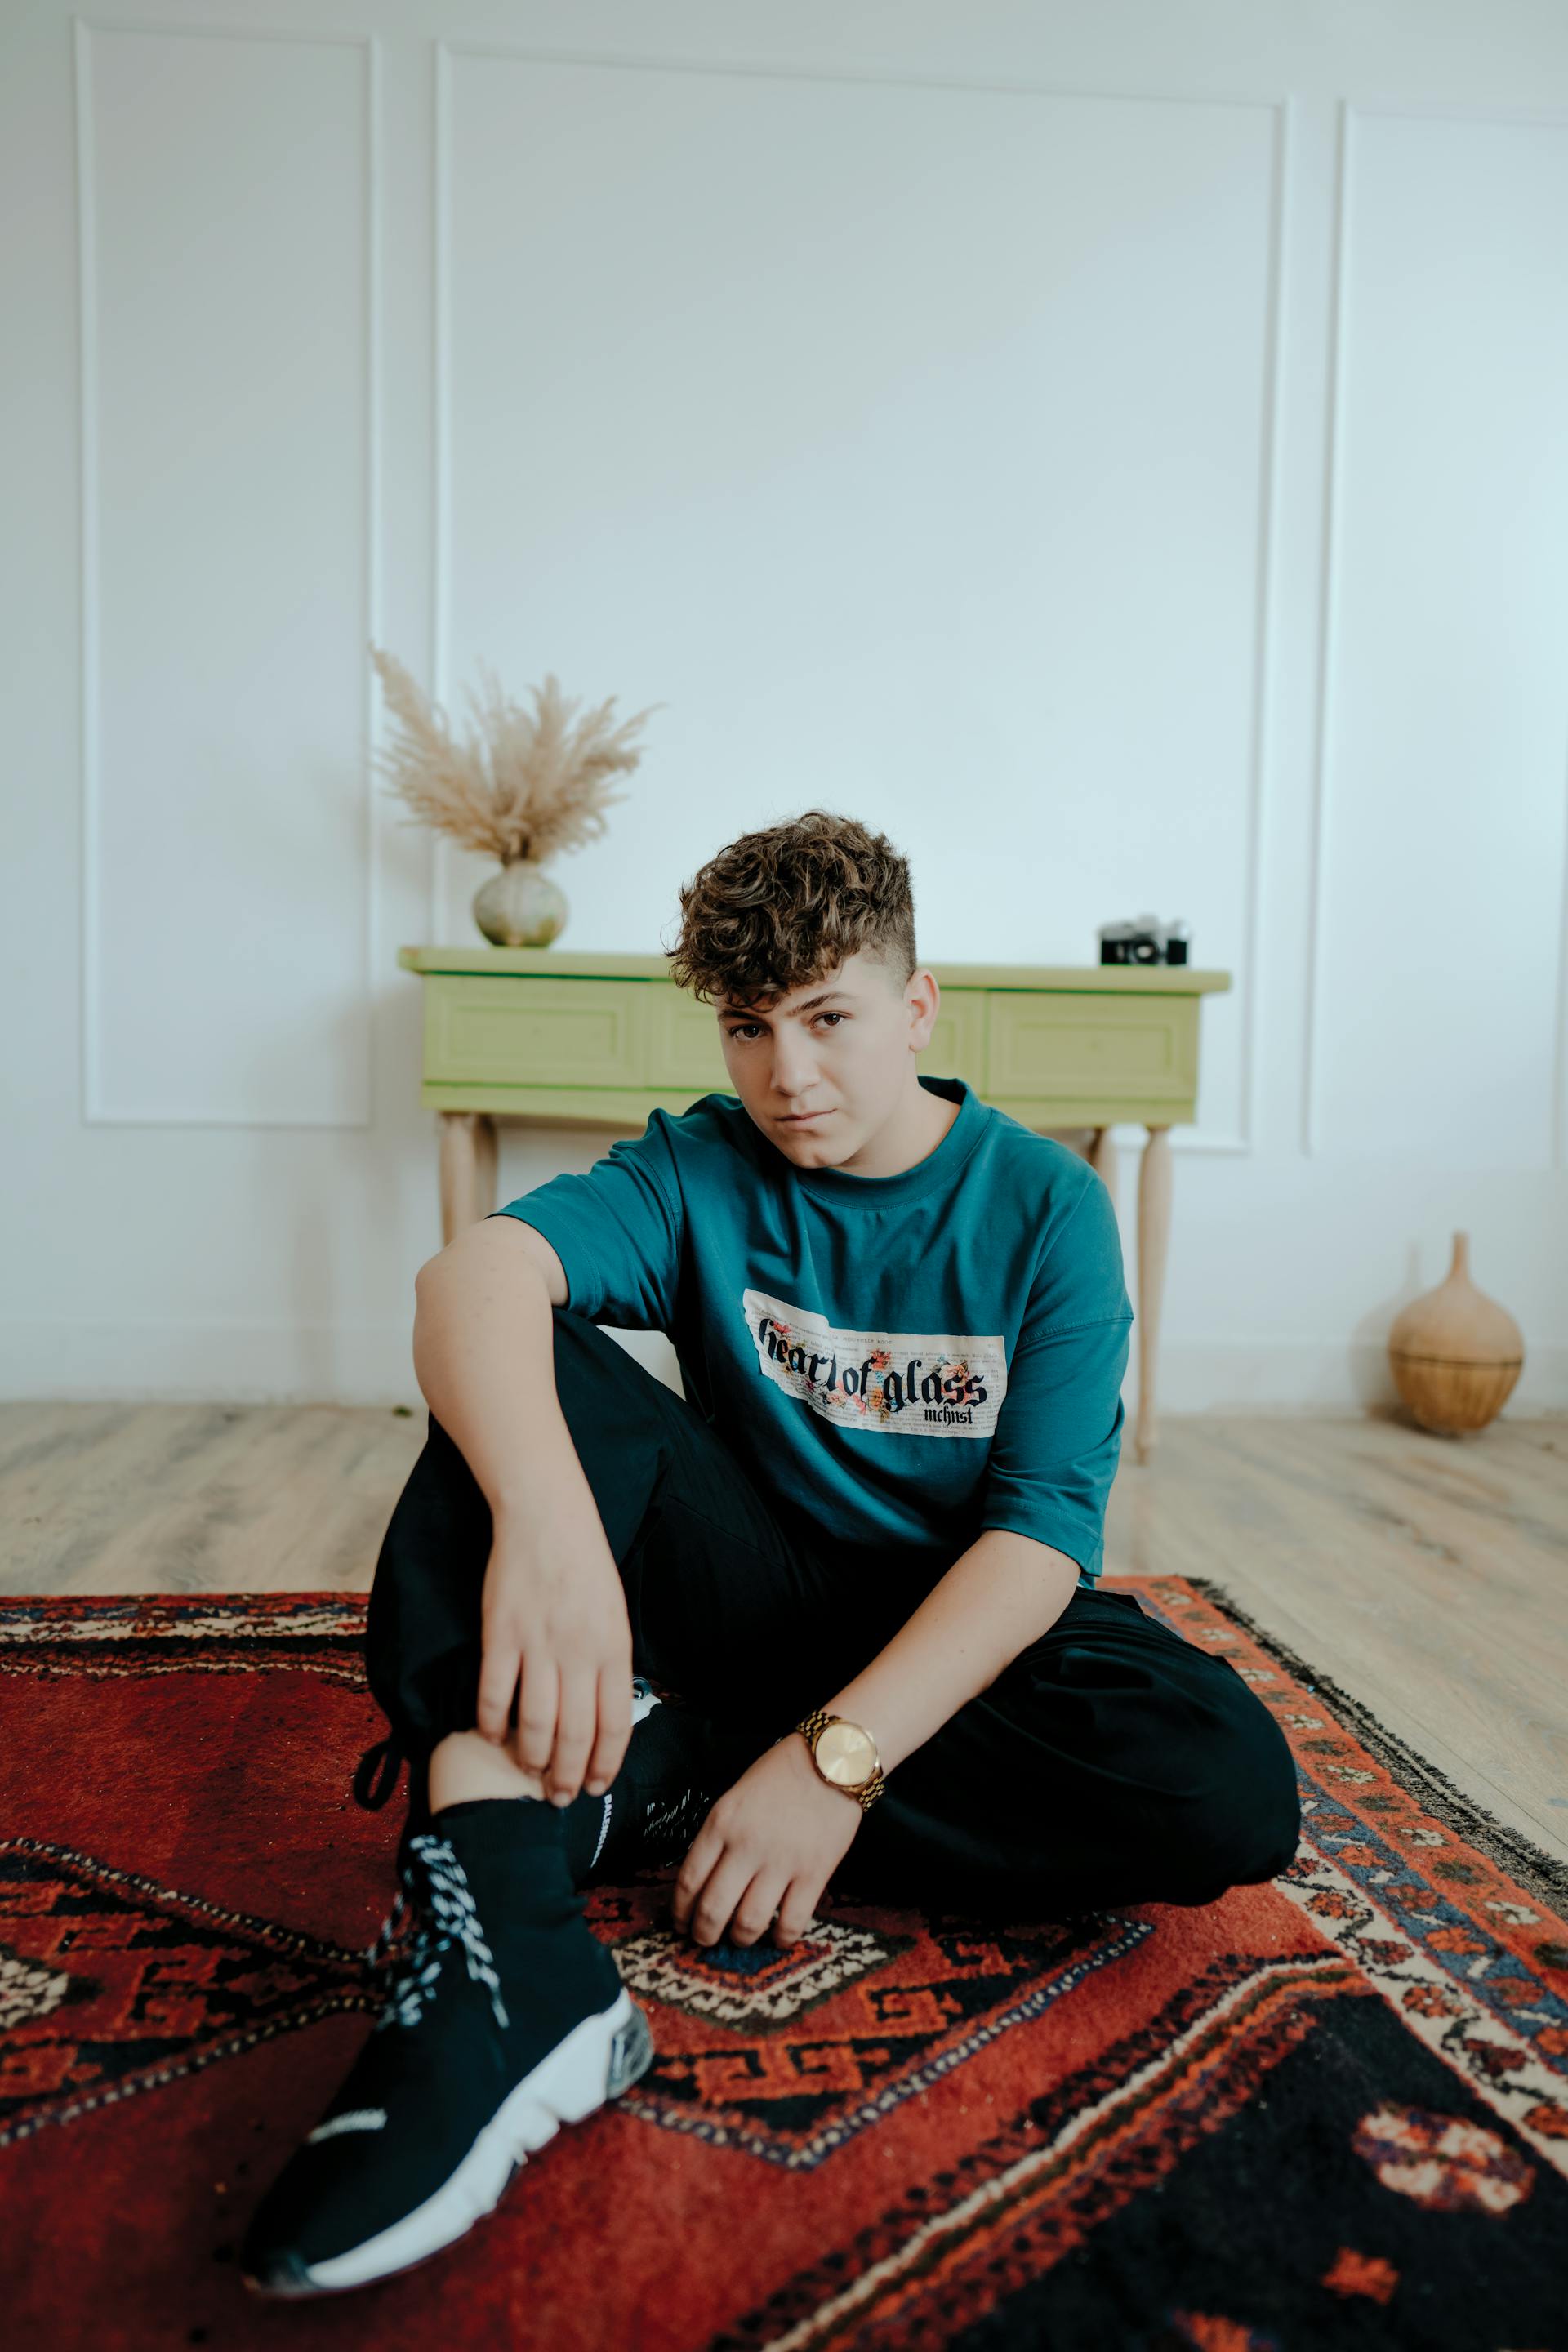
(453, 1919)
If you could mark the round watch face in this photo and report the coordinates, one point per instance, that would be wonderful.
(846, 1754)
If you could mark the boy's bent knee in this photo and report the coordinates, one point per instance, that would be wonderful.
(1247, 1839)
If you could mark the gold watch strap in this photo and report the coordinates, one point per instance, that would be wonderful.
(817, 1721)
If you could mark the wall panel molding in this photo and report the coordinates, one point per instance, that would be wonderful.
(84, 32)
(1241, 1141)
(1349, 114)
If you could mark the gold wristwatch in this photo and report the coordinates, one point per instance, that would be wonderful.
(845, 1755)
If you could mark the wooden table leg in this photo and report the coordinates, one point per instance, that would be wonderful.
(467, 1169)
(1102, 1157)
(485, 1157)
(1153, 1239)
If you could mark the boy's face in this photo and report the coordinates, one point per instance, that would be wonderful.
(841, 1047)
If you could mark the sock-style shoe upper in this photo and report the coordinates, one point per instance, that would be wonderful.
(500, 1968)
(656, 1804)
(677, 1764)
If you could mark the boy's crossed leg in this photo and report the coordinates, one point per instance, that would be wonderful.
(1111, 1762)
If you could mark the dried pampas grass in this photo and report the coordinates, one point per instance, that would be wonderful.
(528, 786)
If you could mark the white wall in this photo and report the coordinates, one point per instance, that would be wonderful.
(1123, 452)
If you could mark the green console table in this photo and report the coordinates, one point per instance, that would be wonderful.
(578, 1040)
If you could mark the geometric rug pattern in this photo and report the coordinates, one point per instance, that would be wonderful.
(1328, 2111)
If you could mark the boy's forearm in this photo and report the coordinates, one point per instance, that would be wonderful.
(1000, 1595)
(484, 1355)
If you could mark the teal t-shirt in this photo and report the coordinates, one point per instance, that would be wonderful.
(899, 1360)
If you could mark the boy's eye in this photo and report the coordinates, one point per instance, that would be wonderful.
(742, 1027)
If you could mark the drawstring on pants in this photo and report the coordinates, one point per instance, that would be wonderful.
(376, 1773)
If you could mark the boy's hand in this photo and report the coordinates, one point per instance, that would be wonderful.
(555, 1633)
(771, 1844)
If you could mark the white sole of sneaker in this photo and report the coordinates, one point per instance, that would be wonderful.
(599, 2059)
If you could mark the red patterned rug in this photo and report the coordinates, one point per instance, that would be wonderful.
(1330, 2111)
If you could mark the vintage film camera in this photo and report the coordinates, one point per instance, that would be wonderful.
(1146, 940)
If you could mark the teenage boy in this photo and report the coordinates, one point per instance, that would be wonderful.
(834, 1616)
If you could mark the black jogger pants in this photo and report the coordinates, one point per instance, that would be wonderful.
(1111, 1761)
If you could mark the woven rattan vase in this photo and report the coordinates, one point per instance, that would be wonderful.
(1454, 1353)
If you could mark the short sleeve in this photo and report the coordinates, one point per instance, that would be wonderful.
(1057, 1440)
(616, 1229)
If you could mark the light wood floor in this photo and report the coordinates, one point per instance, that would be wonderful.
(1427, 1575)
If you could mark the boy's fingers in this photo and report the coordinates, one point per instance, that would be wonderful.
(498, 1680)
(615, 1729)
(536, 1707)
(573, 1736)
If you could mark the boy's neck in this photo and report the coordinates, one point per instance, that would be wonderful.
(912, 1134)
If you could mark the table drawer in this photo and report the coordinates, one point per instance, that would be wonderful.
(1108, 1049)
(957, 1048)
(535, 1032)
(684, 1048)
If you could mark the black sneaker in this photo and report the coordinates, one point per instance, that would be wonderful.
(469, 2067)
(670, 1777)
(665, 1788)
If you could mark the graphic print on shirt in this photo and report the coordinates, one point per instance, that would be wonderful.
(908, 1383)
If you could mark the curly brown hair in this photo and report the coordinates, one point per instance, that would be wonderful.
(788, 905)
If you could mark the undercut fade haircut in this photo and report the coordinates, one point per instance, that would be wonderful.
(788, 905)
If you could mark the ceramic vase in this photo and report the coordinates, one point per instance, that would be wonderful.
(1454, 1353)
(521, 906)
